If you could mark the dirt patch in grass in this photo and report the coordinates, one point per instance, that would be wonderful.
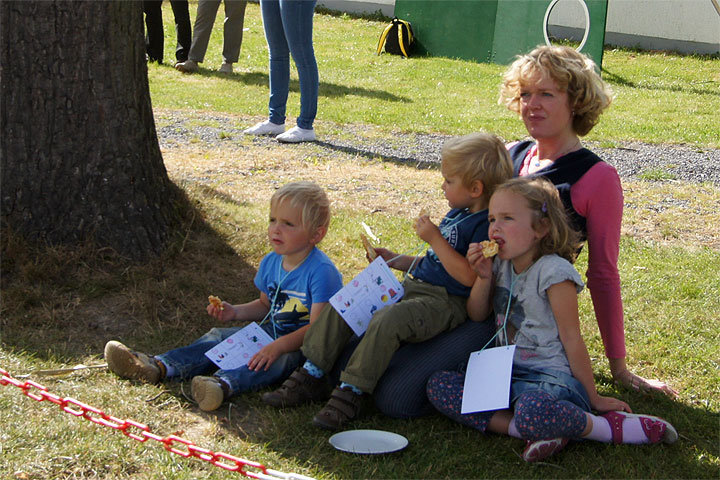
(667, 212)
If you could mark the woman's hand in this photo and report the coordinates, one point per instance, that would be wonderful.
(478, 262)
(635, 382)
(607, 404)
(265, 357)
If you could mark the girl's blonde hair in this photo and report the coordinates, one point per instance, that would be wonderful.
(309, 197)
(548, 211)
(478, 156)
(572, 71)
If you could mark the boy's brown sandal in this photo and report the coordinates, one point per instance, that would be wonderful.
(299, 388)
(343, 407)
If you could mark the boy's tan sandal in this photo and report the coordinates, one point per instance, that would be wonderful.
(126, 363)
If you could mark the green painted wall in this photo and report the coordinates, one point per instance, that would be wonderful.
(490, 30)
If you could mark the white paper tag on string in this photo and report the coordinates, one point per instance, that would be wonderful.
(487, 380)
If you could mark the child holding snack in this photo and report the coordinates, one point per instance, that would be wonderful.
(532, 287)
(436, 289)
(295, 280)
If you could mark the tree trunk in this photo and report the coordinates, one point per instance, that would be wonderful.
(79, 152)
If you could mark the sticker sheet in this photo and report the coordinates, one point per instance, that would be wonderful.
(237, 350)
(372, 289)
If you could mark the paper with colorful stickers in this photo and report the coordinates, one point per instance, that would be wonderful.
(372, 289)
(237, 350)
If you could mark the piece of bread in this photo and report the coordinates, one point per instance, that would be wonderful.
(490, 248)
(368, 247)
(216, 302)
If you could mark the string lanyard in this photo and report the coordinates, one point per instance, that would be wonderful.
(444, 230)
(271, 312)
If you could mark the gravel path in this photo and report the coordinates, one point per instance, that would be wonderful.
(632, 160)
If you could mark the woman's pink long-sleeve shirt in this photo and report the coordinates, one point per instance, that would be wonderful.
(598, 196)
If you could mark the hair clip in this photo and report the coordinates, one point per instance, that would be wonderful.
(544, 207)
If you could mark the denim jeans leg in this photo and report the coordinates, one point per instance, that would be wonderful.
(190, 360)
(297, 21)
(279, 59)
(245, 380)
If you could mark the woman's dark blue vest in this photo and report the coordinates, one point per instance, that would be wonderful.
(563, 173)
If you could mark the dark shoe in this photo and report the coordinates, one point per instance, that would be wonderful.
(298, 389)
(188, 66)
(343, 407)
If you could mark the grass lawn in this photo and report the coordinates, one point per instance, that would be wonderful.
(60, 305)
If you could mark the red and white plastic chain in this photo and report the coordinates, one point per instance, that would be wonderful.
(141, 433)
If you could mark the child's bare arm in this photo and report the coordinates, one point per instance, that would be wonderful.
(563, 301)
(398, 262)
(454, 263)
(287, 343)
(478, 303)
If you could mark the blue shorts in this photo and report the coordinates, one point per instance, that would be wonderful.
(560, 385)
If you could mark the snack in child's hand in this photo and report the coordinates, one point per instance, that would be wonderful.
(216, 302)
(423, 211)
(490, 248)
(368, 247)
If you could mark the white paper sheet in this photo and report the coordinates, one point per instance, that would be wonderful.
(237, 350)
(372, 289)
(487, 380)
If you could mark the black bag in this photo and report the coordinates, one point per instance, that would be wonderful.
(397, 38)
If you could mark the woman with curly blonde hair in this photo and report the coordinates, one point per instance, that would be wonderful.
(560, 96)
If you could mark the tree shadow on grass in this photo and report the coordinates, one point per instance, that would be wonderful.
(64, 303)
(684, 88)
(371, 154)
(326, 89)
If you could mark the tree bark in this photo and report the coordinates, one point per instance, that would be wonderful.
(79, 152)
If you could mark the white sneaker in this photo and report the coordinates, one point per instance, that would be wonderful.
(297, 135)
(226, 68)
(188, 66)
(265, 128)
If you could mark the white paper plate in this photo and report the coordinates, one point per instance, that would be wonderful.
(368, 441)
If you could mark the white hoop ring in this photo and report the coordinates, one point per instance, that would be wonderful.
(587, 23)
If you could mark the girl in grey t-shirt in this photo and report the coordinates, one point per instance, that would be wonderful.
(531, 287)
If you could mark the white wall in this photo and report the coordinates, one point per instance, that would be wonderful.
(690, 26)
(387, 7)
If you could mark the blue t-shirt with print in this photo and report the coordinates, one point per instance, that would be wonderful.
(291, 294)
(460, 228)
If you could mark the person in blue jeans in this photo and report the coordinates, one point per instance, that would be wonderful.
(288, 28)
(296, 281)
